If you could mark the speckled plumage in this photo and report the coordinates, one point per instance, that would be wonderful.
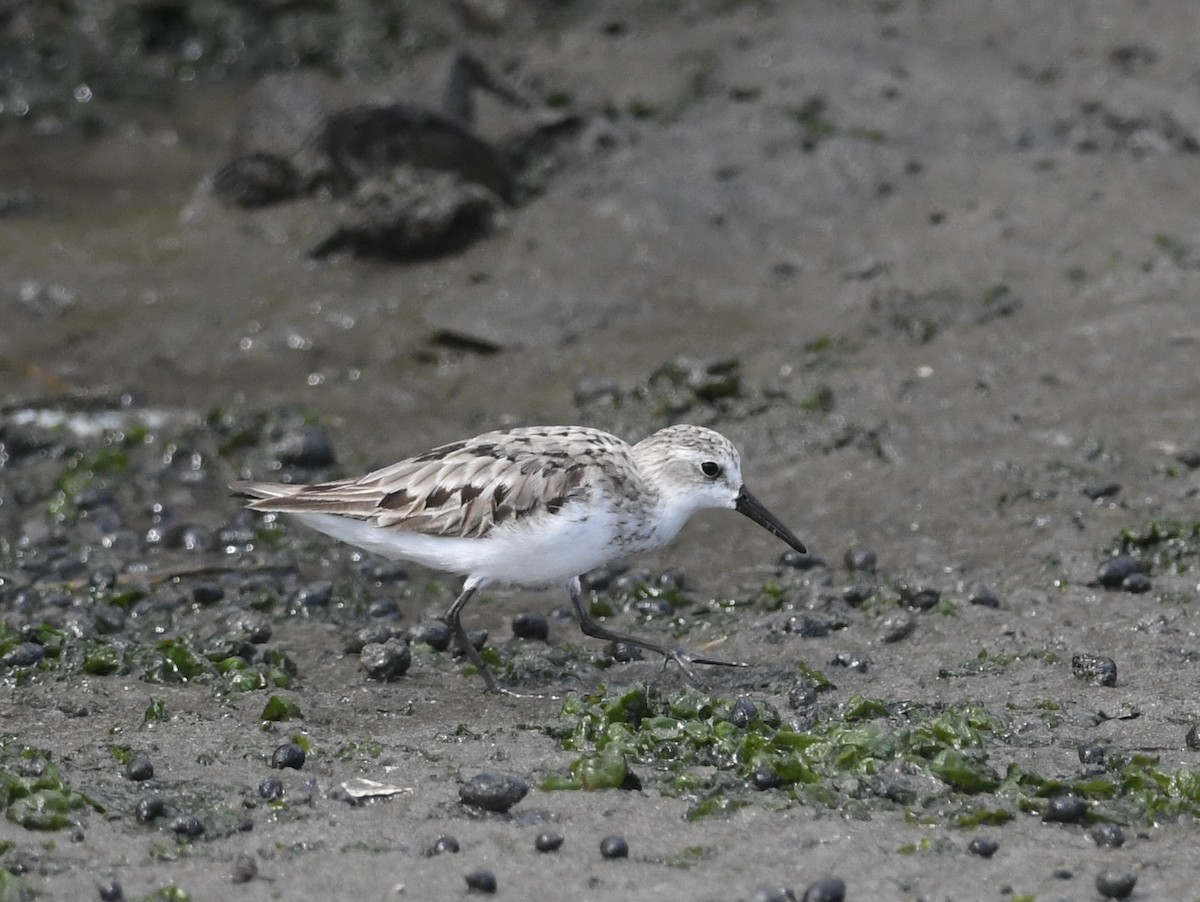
(529, 506)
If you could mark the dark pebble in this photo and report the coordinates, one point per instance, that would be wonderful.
(764, 778)
(188, 825)
(1091, 753)
(245, 869)
(139, 768)
(288, 755)
(766, 893)
(443, 845)
(77, 834)
(531, 625)
(103, 578)
(386, 662)
(794, 560)
(654, 607)
(308, 446)
(548, 842)
(315, 595)
(270, 789)
(1108, 835)
(371, 634)
(1098, 490)
(802, 695)
(1189, 458)
(984, 597)
(898, 627)
(623, 652)
(921, 599)
(493, 792)
(477, 638)
(254, 625)
(233, 537)
(1113, 572)
(26, 654)
(614, 847)
(1114, 884)
(851, 661)
(109, 618)
(385, 571)
(861, 560)
(434, 633)
(743, 713)
(672, 578)
(256, 179)
(246, 824)
(110, 889)
(1136, 583)
(1098, 670)
(207, 593)
(806, 627)
(983, 846)
(1062, 874)
(481, 881)
(1066, 809)
(149, 808)
(856, 593)
(601, 578)
(24, 601)
(827, 889)
(1193, 738)
(384, 609)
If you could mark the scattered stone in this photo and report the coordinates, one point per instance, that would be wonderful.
(1098, 490)
(1112, 573)
(139, 768)
(1193, 738)
(270, 789)
(206, 593)
(920, 599)
(315, 595)
(444, 845)
(188, 825)
(1189, 458)
(1136, 583)
(794, 560)
(387, 661)
(898, 627)
(1108, 835)
(384, 609)
(766, 893)
(24, 654)
(850, 661)
(110, 889)
(245, 869)
(1115, 884)
(548, 842)
(288, 755)
(493, 792)
(371, 634)
(592, 388)
(984, 597)
(481, 881)
(654, 607)
(983, 846)
(765, 778)
(861, 560)
(802, 695)
(614, 847)
(254, 625)
(806, 627)
(256, 180)
(1098, 670)
(1066, 809)
(743, 713)
(308, 447)
(827, 889)
(103, 578)
(148, 809)
(856, 593)
(531, 625)
(477, 638)
(1091, 753)
(434, 633)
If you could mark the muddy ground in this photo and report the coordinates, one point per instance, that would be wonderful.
(948, 249)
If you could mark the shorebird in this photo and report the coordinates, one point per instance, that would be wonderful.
(533, 506)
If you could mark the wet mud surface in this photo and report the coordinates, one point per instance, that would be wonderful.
(932, 266)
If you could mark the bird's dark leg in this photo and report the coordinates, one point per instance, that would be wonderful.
(453, 621)
(591, 628)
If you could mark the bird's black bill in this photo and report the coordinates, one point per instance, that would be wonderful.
(750, 506)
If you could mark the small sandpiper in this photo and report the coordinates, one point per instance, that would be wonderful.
(530, 507)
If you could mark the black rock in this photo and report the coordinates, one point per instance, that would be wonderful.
(1098, 670)
(103, 578)
(256, 179)
(1193, 738)
(767, 893)
(1112, 573)
(765, 778)
(1092, 753)
(149, 808)
(481, 881)
(493, 792)
(531, 625)
(288, 755)
(139, 768)
(25, 654)
(984, 597)
(1115, 884)
(253, 625)
(1108, 835)
(921, 599)
(477, 638)
(315, 595)
(1189, 458)
(384, 609)
(270, 789)
(548, 842)
(245, 869)
(444, 845)
(743, 713)
(1136, 583)
(434, 633)
(207, 593)
(1097, 490)
(861, 560)
(188, 825)
(802, 695)
(308, 447)
(983, 846)
(672, 578)
(623, 652)
(654, 607)
(110, 889)
(387, 661)
(827, 889)
(371, 634)
(898, 627)
(794, 560)
(806, 627)
(614, 847)
(1066, 809)
(856, 593)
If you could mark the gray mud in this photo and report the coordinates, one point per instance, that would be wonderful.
(948, 253)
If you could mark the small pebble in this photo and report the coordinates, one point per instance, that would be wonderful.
(188, 825)
(806, 627)
(77, 835)
(857, 593)
(1091, 753)
(1066, 809)
(288, 755)
(802, 695)
(1112, 573)
(481, 881)
(270, 789)
(444, 845)
(984, 597)
(765, 778)
(434, 633)
(26, 654)
(384, 609)
(1136, 583)
(1108, 835)
(1193, 738)
(767, 893)
(139, 768)
(654, 607)
(827, 889)
(385, 662)
(110, 889)
(672, 578)
(531, 625)
(493, 792)
(1098, 670)
(861, 560)
(307, 446)
(477, 638)
(614, 847)
(245, 869)
(898, 627)
(1115, 884)
(548, 842)
(983, 846)
(1189, 458)
(743, 713)
(207, 593)
(794, 560)
(315, 595)
(920, 599)
(149, 808)
(103, 578)
(371, 634)
(1098, 490)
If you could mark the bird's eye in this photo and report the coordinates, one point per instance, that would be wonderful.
(711, 469)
